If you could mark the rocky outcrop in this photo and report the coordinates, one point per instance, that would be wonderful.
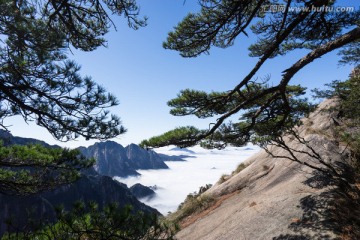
(277, 198)
(141, 191)
(144, 159)
(111, 159)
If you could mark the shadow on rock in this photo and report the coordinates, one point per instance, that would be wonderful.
(336, 210)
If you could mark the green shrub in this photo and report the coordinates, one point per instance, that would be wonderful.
(89, 222)
(348, 93)
(223, 178)
(239, 168)
(194, 203)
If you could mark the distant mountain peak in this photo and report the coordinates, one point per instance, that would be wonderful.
(144, 159)
(112, 159)
(182, 150)
(141, 191)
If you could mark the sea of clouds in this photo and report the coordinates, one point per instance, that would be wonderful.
(200, 168)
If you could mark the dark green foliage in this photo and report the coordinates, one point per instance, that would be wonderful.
(32, 168)
(185, 134)
(264, 112)
(351, 54)
(220, 21)
(218, 24)
(277, 114)
(315, 28)
(348, 94)
(38, 82)
(87, 222)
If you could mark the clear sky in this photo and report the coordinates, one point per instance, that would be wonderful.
(144, 76)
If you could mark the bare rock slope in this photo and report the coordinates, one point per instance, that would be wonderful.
(273, 198)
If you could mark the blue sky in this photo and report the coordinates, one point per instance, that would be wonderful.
(144, 76)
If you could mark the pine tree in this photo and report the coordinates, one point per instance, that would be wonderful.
(39, 83)
(264, 111)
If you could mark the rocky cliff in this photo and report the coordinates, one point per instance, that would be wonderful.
(111, 159)
(144, 159)
(278, 198)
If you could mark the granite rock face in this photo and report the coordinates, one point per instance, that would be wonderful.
(144, 159)
(276, 198)
(111, 159)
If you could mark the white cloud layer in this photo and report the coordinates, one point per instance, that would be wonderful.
(182, 178)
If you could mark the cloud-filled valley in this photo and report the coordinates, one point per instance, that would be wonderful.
(200, 168)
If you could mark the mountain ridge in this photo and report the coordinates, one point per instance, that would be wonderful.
(114, 160)
(144, 159)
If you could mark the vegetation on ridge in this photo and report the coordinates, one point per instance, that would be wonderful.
(194, 203)
(348, 111)
(87, 222)
(32, 168)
